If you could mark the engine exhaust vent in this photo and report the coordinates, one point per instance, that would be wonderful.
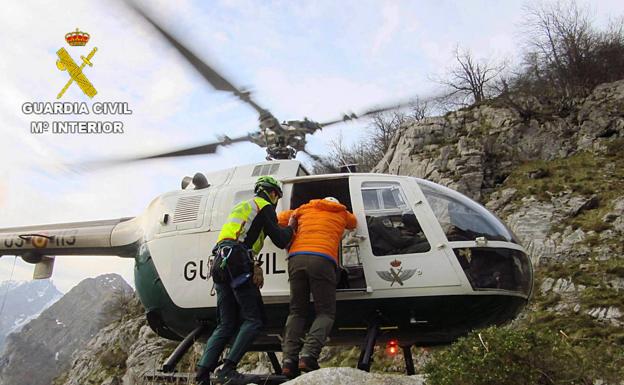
(187, 209)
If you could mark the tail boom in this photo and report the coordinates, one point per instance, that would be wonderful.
(118, 237)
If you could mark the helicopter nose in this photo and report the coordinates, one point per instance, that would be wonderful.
(496, 268)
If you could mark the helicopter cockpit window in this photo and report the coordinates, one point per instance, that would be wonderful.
(392, 226)
(461, 218)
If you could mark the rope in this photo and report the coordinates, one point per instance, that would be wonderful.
(6, 293)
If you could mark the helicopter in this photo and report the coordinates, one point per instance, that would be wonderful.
(456, 266)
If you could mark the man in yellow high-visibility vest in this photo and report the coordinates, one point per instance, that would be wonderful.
(238, 289)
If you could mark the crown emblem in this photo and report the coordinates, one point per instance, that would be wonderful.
(395, 263)
(77, 38)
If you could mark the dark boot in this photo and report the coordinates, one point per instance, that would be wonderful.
(308, 364)
(290, 368)
(203, 375)
(232, 377)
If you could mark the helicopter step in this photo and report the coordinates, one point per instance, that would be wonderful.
(181, 349)
(264, 379)
(269, 379)
(168, 378)
(186, 378)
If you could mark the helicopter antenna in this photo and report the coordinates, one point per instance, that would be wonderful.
(388, 163)
(8, 287)
(345, 165)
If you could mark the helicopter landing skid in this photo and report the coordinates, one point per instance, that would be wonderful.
(366, 355)
(181, 349)
(409, 362)
(275, 363)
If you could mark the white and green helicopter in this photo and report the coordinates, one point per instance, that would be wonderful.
(425, 265)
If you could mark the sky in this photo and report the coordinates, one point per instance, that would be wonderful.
(315, 59)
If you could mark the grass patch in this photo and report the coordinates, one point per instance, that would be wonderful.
(600, 297)
(580, 173)
(583, 174)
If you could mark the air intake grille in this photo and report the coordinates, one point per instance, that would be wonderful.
(265, 169)
(187, 209)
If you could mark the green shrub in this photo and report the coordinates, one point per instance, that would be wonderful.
(503, 356)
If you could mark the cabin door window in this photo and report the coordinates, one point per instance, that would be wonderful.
(392, 225)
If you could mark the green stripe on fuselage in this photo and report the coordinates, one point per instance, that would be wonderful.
(155, 298)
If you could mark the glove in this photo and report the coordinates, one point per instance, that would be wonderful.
(258, 276)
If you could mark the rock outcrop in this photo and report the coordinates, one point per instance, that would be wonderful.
(43, 348)
(124, 352)
(351, 376)
(475, 149)
(557, 181)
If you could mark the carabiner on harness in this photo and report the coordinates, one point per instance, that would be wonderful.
(225, 252)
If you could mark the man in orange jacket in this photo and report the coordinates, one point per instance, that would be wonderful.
(312, 263)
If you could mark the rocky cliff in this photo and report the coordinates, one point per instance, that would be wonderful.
(22, 302)
(44, 347)
(474, 150)
(558, 182)
(123, 352)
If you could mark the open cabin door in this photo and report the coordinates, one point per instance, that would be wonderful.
(350, 276)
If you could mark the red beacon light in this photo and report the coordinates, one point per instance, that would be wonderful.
(392, 347)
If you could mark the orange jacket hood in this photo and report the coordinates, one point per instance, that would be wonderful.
(322, 204)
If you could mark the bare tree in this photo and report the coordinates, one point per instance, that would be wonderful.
(419, 109)
(120, 304)
(609, 53)
(368, 152)
(561, 40)
(470, 80)
(382, 129)
(365, 153)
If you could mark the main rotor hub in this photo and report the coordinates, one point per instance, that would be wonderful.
(281, 153)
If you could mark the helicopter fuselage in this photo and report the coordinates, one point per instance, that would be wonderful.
(425, 262)
(425, 292)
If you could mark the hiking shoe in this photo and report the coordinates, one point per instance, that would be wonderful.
(308, 364)
(290, 368)
(232, 377)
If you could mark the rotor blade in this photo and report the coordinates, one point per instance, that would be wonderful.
(314, 157)
(371, 111)
(207, 72)
(330, 168)
(209, 148)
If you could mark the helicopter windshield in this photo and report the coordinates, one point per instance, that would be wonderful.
(461, 218)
